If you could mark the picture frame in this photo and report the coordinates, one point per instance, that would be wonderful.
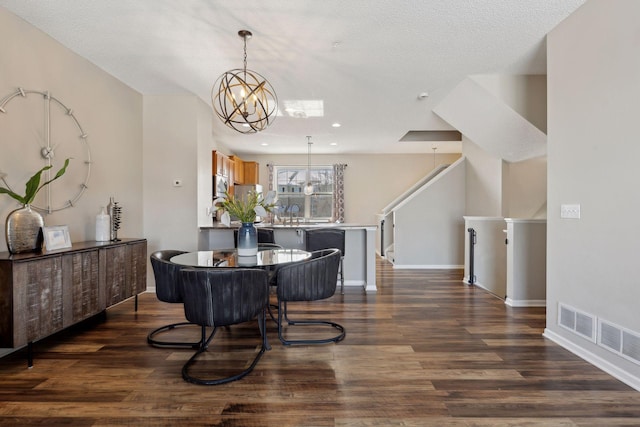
(56, 237)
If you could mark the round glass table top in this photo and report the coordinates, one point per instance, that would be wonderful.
(229, 258)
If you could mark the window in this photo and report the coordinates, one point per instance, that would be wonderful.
(289, 185)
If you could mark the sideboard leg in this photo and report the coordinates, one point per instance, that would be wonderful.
(136, 303)
(30, 355)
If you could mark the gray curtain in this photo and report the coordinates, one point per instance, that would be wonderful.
(338, 192)
(270, 167)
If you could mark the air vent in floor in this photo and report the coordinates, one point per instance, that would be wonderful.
(578, 322)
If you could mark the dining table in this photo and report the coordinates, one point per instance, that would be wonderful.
(229, 258)
(266, 258)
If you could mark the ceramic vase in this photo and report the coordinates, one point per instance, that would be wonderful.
(24, 230)
(247, 240)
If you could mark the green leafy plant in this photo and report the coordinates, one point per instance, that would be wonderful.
(244, 209)
(33, 185)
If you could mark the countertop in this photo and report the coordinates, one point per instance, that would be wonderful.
(236, 224)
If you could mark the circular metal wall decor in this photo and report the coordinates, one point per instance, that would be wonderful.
(62, 137)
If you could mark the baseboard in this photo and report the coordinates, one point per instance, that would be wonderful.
(525, 302)
(595, 360)
(428, 267)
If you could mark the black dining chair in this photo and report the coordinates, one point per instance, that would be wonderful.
(223, 297)
(169, 290)
(310, 280)
(327, 238)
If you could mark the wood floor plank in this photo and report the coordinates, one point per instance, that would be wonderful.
(425, 350)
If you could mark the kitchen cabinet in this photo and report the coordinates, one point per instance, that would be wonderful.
(220, 164)
(238, 170)
(251, 172)
(41, 294)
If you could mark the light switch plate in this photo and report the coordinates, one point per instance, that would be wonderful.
(570, 211)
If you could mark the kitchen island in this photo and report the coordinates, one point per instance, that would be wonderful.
(359, 257)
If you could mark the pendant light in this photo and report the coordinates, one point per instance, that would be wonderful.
(243, 99)
(308, 188)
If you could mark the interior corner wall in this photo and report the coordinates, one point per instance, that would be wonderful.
(525, 189)
(525, 94)
(170, 154)
(109, 111)
(483, 181)
(204, 163)
(593, 91)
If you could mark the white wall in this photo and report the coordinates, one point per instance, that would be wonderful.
(170, 147)
(525, 189)
(593, 91)
(525, 94)
(109, 111)
(371, 180)
(483, 181)
(429, 225)
(490, 254)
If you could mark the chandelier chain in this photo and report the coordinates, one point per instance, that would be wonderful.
(245, 54)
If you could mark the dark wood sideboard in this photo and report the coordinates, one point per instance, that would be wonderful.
(43, 293)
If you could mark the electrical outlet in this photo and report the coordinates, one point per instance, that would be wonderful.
(570, 211)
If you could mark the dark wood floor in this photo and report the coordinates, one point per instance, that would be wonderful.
(425, 350)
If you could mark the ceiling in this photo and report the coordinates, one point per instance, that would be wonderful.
(366, 60)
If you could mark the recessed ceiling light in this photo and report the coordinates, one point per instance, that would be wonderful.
(333, 143)
(264, 144)
(336, 125)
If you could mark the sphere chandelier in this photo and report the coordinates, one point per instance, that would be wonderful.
(243, 99)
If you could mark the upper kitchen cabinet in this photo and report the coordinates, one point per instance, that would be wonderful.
(243, 172)
(238, 170)
(251, 172)
(221, 164)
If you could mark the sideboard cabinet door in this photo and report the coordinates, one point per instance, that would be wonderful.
(113, 261)
(82, 297)
(137, 255)
(41, 294)
(125, 271)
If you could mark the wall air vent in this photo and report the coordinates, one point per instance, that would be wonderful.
(619, 340)
(578, 322)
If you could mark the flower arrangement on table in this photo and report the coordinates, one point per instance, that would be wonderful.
(245, 209)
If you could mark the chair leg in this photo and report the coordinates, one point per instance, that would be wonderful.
(282, 316)
(341, 277)
(204, 344)
(171, 344)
